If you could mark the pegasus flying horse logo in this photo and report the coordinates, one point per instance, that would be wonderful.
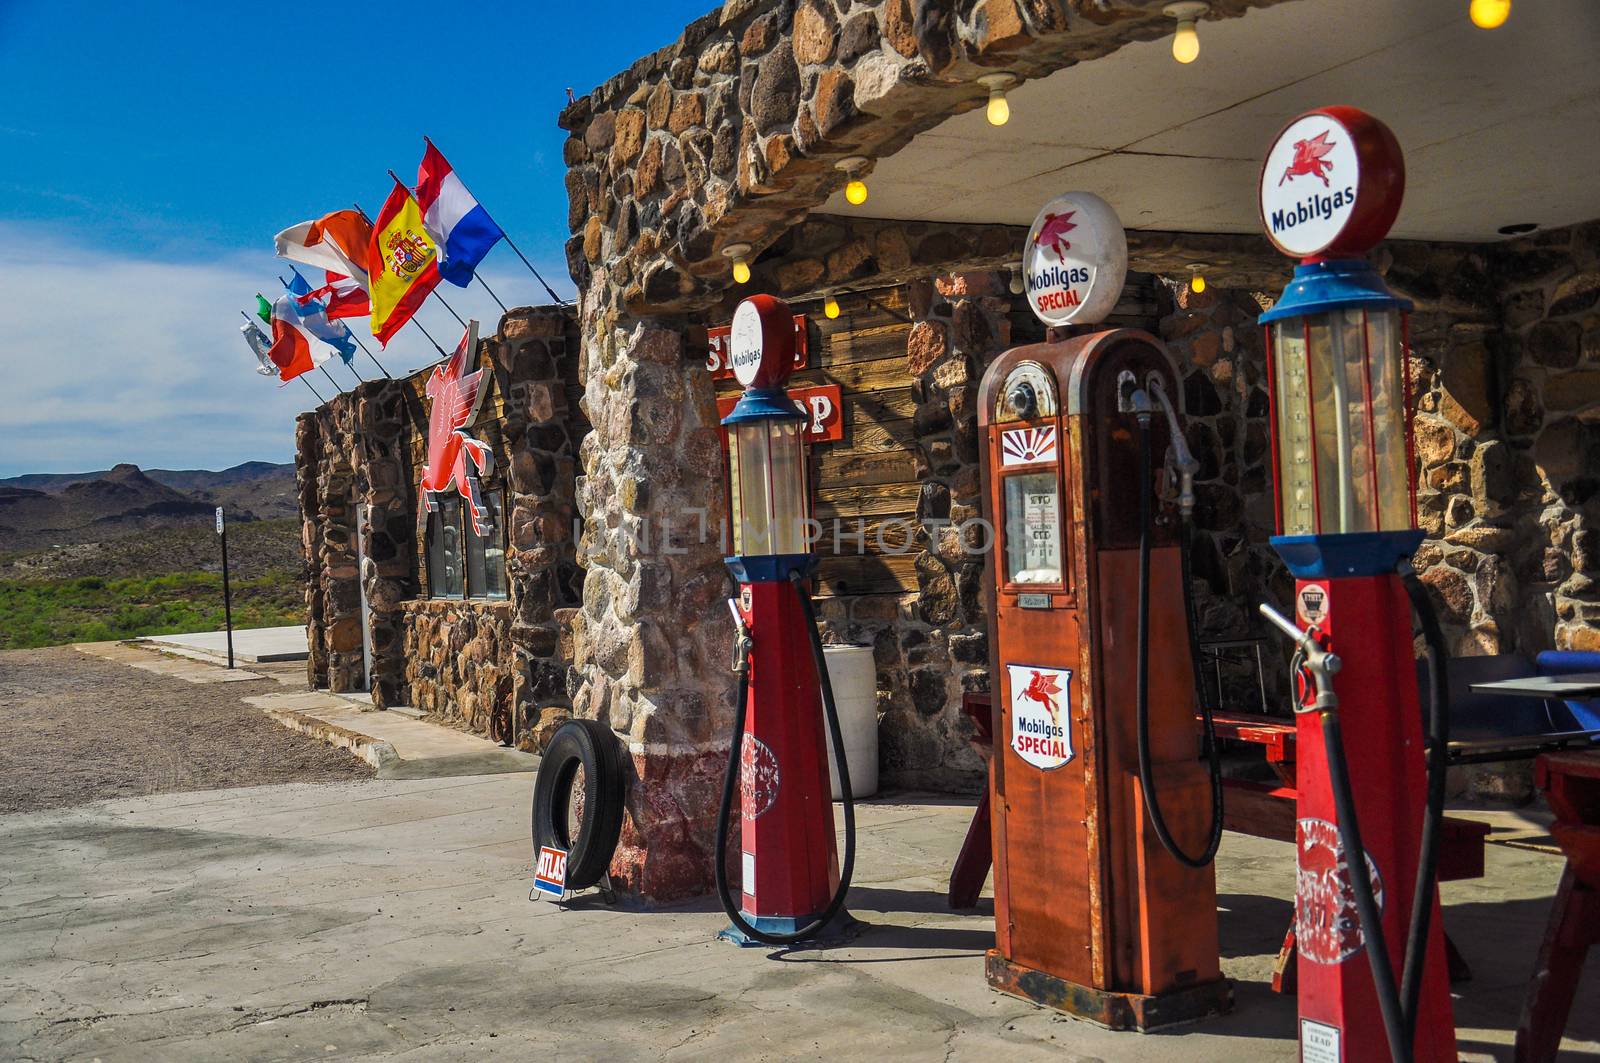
(1053, 232)
(1043, 688)
(1310, 157)
(455, 394)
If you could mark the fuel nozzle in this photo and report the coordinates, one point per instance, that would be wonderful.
(1319, 662)
(1186, 463)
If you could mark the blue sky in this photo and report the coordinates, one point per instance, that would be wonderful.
(149, 152)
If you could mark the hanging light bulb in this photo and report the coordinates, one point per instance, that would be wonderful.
(1186, 41)
(855, 190)
(1197, 277)
(740, 254)
(830, 307)
(1489, 14)
(999, 111)
(1016, 286)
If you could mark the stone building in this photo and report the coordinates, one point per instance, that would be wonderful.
(735, 135)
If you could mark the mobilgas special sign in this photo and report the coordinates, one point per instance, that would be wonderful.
(1075, 260)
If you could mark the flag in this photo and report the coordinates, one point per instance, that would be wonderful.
(264, 309)
(292, 350)
(402, 262)
(340, 297)
(458, 224)
(335, 242)
(314, 316)
(261, 347)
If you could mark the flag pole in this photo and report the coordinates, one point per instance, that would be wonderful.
(435, 292)
(314, 391)
(337, 387)
(368, 353)
(509, 243)
(490, 290)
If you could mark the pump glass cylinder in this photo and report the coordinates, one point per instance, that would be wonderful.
(769, 497)
(1342, 422)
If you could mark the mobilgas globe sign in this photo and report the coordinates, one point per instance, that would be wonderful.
(1075, 260)
(1308, 186)
(1331, 184)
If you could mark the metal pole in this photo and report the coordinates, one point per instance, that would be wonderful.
(336, 387)
(560, 301)
(314, 391)
(227, 588)
(490, 290)
(368, 353)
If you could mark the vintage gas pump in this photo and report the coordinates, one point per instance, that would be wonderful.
(792, 888)
(1368, 815)
(1105, 818)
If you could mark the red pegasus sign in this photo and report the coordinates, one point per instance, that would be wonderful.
(1310, 157)
(1052, 233)
(1043, 688)
(455, 394)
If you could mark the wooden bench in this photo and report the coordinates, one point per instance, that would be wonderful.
(1268, 811)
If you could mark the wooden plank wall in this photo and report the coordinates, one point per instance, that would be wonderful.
(871, 474)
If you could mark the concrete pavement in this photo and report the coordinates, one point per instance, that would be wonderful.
(253, 645)
(390, 919)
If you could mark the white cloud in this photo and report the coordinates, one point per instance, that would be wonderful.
(109, 357)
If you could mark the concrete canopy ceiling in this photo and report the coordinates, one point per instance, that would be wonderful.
(1499, 127)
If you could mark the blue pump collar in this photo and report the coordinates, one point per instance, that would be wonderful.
(764, 404)
(1335, 284)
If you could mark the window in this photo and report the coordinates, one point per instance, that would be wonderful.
(462, 563)
(444, 549)
(486, 554)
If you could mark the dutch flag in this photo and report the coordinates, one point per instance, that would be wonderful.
(460, 227)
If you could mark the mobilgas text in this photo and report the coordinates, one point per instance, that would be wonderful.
(1062, 277)
(1319, 206)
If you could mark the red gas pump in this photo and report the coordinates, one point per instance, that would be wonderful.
(1106, 796)
(1372, 976)
(792, 888)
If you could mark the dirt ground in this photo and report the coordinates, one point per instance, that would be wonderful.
(79, 729)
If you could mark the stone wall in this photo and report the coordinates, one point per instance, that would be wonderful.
(1510, 452)
(497, 666)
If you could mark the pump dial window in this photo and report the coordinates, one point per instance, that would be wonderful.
(1028, 395)
(1033, 529)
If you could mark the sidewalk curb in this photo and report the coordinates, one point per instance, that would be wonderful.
(376, 752)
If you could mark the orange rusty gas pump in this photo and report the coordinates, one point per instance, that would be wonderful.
(1105, 817)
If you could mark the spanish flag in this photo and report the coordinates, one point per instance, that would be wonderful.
(402, 263)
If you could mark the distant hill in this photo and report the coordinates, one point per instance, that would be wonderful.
(42, 510)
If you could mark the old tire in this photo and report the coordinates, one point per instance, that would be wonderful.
(577, 799)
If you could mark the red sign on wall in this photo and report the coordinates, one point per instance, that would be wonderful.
(824, 402)
(719, 349)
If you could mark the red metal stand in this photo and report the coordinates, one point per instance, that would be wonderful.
(790, 866)
(1571, 786)
(1367, 620)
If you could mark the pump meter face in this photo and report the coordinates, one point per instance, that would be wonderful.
(1033, 529)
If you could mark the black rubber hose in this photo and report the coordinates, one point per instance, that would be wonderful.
(731, 777)
(1433, 822)
(1355, 855)
(1147, 784)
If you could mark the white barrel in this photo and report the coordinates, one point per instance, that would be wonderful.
(855, 691)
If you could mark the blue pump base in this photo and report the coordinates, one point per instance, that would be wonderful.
(841, 928)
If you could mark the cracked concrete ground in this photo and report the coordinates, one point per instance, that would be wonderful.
(390, 919)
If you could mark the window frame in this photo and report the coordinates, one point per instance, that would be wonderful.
(467, 542)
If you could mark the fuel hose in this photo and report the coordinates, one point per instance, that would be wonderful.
(1147, 782)
(1399, 1004)
(731, 778)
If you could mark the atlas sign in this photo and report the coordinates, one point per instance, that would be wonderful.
(1075, 260)
(1331, 184)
